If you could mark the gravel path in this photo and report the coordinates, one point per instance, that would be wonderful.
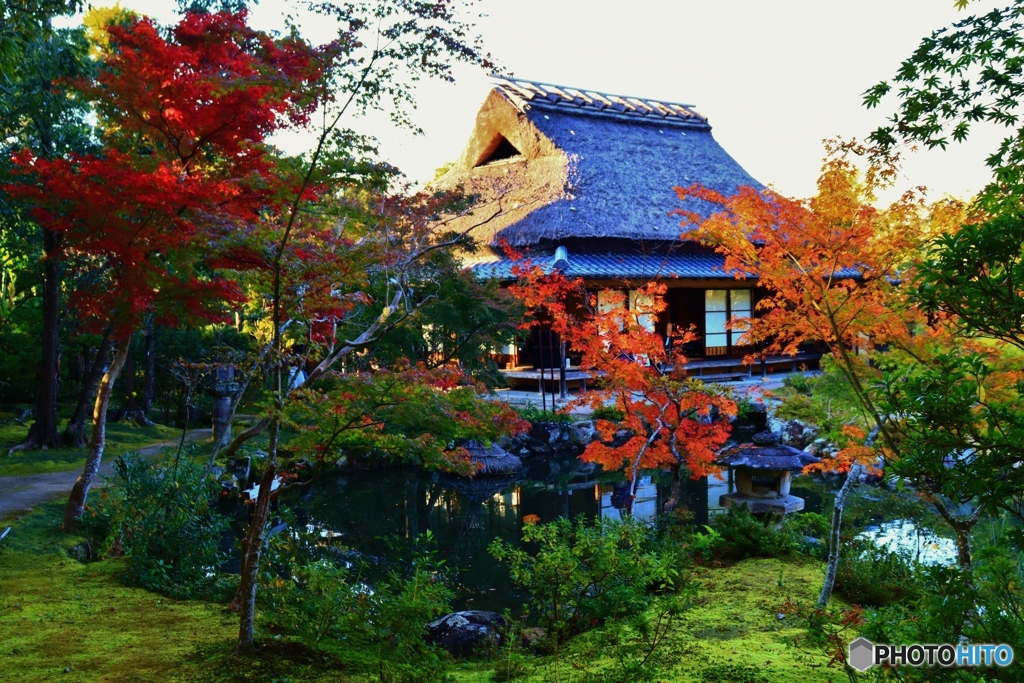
(20, 494)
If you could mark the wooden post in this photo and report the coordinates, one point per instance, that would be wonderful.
(561, 371)
(543, 391)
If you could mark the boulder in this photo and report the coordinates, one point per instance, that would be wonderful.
(239, 467)
(544, 439)
(583, 433)
(793, 432)
(817, 447)
(461, 633)
(532, 636)
(621, 437)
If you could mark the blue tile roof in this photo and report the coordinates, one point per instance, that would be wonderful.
(627, 266)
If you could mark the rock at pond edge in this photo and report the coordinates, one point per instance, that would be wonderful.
(463, 632)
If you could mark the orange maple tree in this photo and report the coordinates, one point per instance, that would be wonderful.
(672, 421)
(831, 267)
(837, 270)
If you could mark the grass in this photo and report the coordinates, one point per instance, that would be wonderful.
(731, 635)
(121, 437)
(61, 619)
(64, 620)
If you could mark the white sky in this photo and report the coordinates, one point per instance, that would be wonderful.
(774, 78)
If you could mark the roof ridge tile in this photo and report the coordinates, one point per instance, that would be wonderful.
(523, 92)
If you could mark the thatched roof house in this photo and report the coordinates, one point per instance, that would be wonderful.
(585, 184)
(582, 165)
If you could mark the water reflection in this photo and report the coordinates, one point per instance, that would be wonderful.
(363, 512)
(911, 540)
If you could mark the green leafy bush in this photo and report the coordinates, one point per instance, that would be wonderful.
(532, 413)
(584, 574)
(378, 628)
(809, 524)
(742, 535)
(608, 413)
(798, 382)
(984, 606)
(870, 575)
(746, 408)
(636, 644)
(696, 543)
(826, 400)
(799, 407)
(160, 518)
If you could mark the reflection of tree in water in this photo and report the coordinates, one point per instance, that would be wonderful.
(464, 514)
(484, 507)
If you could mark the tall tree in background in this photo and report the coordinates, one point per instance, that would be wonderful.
(35, 111)
(183, 162)
(353, 260)
(958, 77)
(830, 264)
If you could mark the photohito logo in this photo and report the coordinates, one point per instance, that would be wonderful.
(864, 654)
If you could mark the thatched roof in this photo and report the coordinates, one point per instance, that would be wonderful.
(779, 457)
(569, 163)
(492, 459)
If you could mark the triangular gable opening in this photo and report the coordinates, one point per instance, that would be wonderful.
(499, 150)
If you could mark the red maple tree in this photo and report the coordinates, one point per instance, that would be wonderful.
(183, 161)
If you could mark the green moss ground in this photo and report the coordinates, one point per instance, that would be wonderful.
(64, 620)
(67, 621)
(121, 437)
(731, 635)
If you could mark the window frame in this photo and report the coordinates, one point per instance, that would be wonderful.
(730, 334)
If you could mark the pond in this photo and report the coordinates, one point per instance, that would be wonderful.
(370, 512)
(375, 513)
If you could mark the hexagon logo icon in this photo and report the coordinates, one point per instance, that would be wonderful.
(862, 654)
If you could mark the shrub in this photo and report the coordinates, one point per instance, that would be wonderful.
(332, 609)
(870, 575)
(161, 519)
(798, 407)
(532, 413)
(746, 408)
(983, 607)
(810, 524)
(798, 382)
(742, 535)
(584, 574)
(609, 413)
(636, 645)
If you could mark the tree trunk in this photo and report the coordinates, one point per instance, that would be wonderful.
(76, 501)
(149, 378)
(963, 547)
(833, 537)
(131, 411)
(252, 548)
(75, 432)
(961, 526)
(676, 492)
(43, 432)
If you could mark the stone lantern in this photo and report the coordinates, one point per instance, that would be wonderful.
(224, 389)
(763, 474)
